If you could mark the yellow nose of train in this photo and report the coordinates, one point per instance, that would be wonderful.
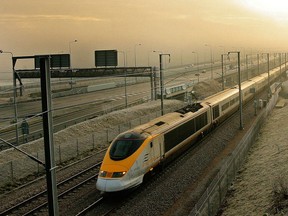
(120, 168)
(110, 181)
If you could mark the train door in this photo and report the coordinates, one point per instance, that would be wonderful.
(157, 145)
(214, 115)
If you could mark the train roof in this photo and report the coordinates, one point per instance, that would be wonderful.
(227, 93)
(216, 98)
(168, 120)
(257, 78)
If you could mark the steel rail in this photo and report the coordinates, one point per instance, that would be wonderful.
(42, 193)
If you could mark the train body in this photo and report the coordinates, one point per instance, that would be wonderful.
(138, 151)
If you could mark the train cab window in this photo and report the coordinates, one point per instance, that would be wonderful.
(125, 145)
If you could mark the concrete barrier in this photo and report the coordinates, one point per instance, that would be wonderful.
(98, 87)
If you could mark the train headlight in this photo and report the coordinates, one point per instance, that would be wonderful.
(102, 173)
(118, 174)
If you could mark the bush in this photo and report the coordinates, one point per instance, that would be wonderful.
(280, 195)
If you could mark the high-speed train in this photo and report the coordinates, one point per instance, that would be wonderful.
(136, 152)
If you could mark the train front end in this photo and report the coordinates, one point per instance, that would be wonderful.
(120, 169)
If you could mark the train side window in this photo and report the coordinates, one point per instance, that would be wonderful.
(151, 144)
(225, 106)
(216, 111)
(201, 121)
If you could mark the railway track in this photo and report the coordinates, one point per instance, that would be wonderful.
(37, 203)
(61, 122)
(100, 205)
(111, 203)
(73, 117)
(201, 170)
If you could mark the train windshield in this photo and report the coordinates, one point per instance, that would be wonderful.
(125, 145)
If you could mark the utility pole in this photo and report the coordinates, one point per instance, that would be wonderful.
(50, 165)
(268, 65)
(211, 60)
(161, 81)
(222, 60)
(14, 95)
(240, 91)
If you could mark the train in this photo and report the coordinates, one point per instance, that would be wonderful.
(139, 151)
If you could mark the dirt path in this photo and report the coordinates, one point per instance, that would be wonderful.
(266, 165)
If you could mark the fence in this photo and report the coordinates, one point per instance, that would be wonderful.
(211, 200)
(22, 167)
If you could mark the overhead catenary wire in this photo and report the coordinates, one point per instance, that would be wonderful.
(20, 150)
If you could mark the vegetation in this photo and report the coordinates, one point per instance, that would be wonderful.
(280, 196)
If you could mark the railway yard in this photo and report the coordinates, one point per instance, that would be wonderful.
(148, 108)
(173, 191)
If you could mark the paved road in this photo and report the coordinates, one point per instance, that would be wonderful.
(111, 97)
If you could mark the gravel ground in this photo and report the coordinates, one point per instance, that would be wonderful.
(176, 191)
(15, 196)
(86, 127)
(107, 121)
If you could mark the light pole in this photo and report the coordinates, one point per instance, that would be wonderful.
(125, 78)
(222, 62)
(135, 53)
(268, 65)
(258, 61)
(240, 91)
(223, 51)
(285, 61)
(280, 59)
(161, 81)
(211, 59)
(197, 60)
(246, 62)
(149, 58)
(74, 41)
(14, 96)
(70, 66)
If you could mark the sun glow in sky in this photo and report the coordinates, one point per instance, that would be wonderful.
(274, 8)
(179, 27)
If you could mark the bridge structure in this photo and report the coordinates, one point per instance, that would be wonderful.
(94, 72)
(90, 72)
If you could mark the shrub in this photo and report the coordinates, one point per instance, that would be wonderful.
(280, 195)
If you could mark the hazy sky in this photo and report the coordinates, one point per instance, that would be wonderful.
(179, 27)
